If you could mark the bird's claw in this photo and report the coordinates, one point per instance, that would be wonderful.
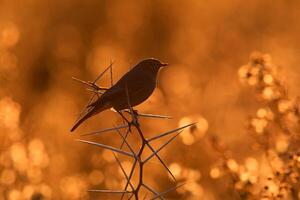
(135, 115)
(135, 112)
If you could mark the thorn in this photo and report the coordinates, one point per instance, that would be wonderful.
(170, 132)
(101, 74)
(128, 180)
(105, 130)
(111, 73)
(130, 196)
(125, 141)
(130, 175)
(110, 191)
(152, 190)
(106, 147)
(161, 147)
(167, 191)
(161, 161)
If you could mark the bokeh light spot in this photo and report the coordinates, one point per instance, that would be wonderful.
(215, 172)
(8, 177)
(96, 177)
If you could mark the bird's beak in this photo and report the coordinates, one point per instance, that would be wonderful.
(164, 64)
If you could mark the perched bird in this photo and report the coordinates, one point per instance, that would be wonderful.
(136, 86)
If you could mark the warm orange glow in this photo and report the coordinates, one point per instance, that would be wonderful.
(233, 71)
(96, 177)
(73, 188)
(8, 177)
(215, 173)
(9, 113)
(9, 35)
(176, 169)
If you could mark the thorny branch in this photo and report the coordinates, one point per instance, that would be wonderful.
(138, 162)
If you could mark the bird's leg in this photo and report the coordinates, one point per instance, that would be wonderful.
(132, 112)
(135, 112)
(135, 117)
(124, 118)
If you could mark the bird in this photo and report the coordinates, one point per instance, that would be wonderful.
(133, 88)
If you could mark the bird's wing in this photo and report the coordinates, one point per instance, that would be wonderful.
(109, 95)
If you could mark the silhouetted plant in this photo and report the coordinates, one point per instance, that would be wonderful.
(132, 190)
(275, 129)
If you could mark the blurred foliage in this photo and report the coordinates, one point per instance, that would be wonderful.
(245, 144)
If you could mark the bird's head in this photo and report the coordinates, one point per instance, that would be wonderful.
(152, 65)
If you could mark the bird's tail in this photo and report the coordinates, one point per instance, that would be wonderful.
(92, 110)
(82, 119)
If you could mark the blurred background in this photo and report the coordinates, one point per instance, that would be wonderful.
(44, 43)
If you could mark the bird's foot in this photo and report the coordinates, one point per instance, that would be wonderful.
(135, 112)
(130, 126)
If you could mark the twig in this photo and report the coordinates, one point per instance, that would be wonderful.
(118, 161)
(152, 190)
(106, 147)
(167, 191)
(110, 191)
(111, 73)
(170, 132)
(161, 147)
(106, 130)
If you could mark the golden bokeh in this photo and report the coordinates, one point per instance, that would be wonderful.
(233, 69)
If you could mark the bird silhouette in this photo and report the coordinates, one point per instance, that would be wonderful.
(136, 86)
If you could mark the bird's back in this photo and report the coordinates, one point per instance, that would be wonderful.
(139, 85)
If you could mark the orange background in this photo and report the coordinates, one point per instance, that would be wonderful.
(44, 43)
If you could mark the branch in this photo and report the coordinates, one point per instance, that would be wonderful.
(150, 115)
(128, 180)
(106, 130)
(110, 191)
(93, 85)
(161, 147)
(128, 145)
(170, 132)
(167, 191)
(111, 73)
(161, 161)
(130, 175)
(106, 147)
(100, 75)
(152, 190)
